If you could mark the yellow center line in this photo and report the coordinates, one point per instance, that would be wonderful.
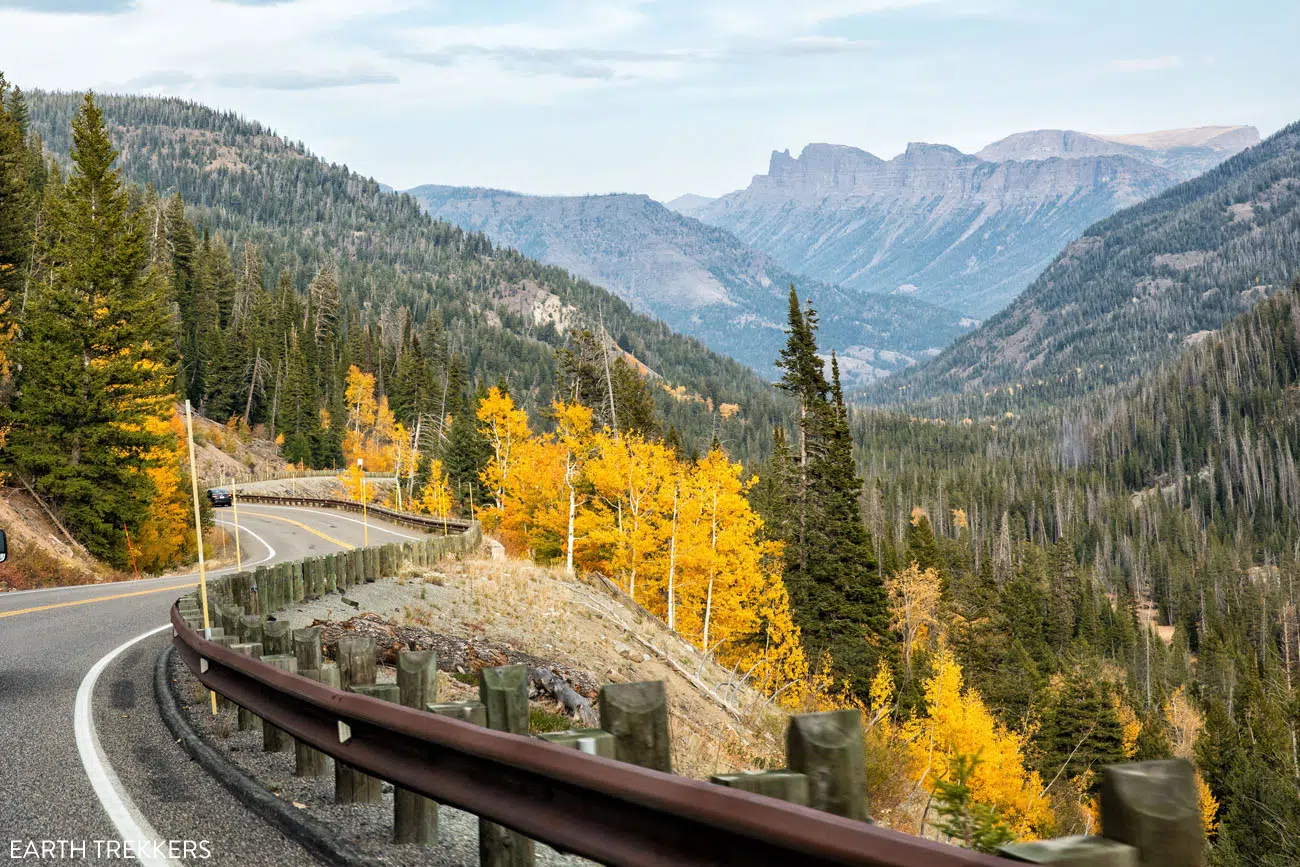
(4, 614)
(312, 530)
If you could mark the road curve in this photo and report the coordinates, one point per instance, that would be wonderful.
(51, 639)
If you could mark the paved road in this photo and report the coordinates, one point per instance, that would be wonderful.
(51, 639)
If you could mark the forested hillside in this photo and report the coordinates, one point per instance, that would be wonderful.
(1135, 289)
(1014, 600)
(386, 270)
(699, 279)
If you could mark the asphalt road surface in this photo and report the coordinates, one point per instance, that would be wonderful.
(80, 735)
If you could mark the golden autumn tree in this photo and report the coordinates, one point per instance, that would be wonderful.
(956, 723)
(506, 429)
(913, 607)
(435, 499)
(166, 536)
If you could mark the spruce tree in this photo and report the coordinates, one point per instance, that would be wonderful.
(93, 355)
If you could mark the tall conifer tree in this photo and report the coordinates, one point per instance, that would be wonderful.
(93, 355)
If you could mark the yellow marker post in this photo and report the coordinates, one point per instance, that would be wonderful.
(198, 534)
(234, 505)
(365, 521)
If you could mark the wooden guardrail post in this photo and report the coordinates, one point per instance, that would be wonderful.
(504, 694)
(230, 615)
(356, 664)
(415, 817)
(299, 583)
(250, 629)
(307, 648)
(356, 658)
(355, 787)
(785, 785)
(248, 721)
(332, 573)
(828, 748)
(636, 714)
(261, 578)
(275, 740)
(1153, 807)
(277, 638)
(309, 761)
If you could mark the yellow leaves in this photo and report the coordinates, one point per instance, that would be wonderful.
(373, 433)
(506, 428)
(326, 420)
(917, 514)
(727, 410)
(681, 538)
(166, 536)
(354, 484)
(957, 723)
(913, 606)
(1130, 725)
(435, 499)
(359, 393)
(1209, 806)
(959, 519)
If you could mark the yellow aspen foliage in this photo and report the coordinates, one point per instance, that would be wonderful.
(680, 537)
(956, 722)
(359, 393)
(505, 428)
(1185, 723)
(959, 519)
(1130, 725)
(1209, 806)
(354, 483)
(166, 536)
(435, 499)
(913, 607)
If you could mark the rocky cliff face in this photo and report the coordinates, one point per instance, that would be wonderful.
(967, 232)
(699, 279)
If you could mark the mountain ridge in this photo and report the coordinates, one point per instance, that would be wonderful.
(699, 279)
(1135, 287)
(960, 230)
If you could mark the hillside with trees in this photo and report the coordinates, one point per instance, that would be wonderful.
(1013, 599)
(370, 273)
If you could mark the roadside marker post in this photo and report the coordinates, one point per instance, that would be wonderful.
(198, 534)
(365, 521)
(234, 505)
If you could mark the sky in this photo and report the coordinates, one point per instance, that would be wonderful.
(665, 97)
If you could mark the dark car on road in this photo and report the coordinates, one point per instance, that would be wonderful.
(220, 496)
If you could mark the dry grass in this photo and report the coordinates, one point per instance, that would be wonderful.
(717, 725)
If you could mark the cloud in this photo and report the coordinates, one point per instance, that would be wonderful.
(71, 7)
(160, 78)
(258, 2)
(608, 64)
(301, 80)
(1147, 64)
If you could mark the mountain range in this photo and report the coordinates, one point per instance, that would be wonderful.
(1137, 288)
(698, 279)
(964, 231)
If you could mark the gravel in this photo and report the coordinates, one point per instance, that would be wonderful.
(368, 826)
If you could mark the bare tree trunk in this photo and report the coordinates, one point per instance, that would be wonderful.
(672, 564)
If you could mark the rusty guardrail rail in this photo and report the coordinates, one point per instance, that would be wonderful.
(605, 810)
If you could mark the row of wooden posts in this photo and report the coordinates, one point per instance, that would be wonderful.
(1149, 810)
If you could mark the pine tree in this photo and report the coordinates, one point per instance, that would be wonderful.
(93, 356)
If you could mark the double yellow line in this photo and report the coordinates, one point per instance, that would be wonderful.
(52, 606)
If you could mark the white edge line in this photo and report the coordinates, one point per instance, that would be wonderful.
(270, 550)
(333, 514)
(130, 824)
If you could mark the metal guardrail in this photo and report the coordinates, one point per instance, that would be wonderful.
(605, 810)
(408, 519)
(602, 809)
